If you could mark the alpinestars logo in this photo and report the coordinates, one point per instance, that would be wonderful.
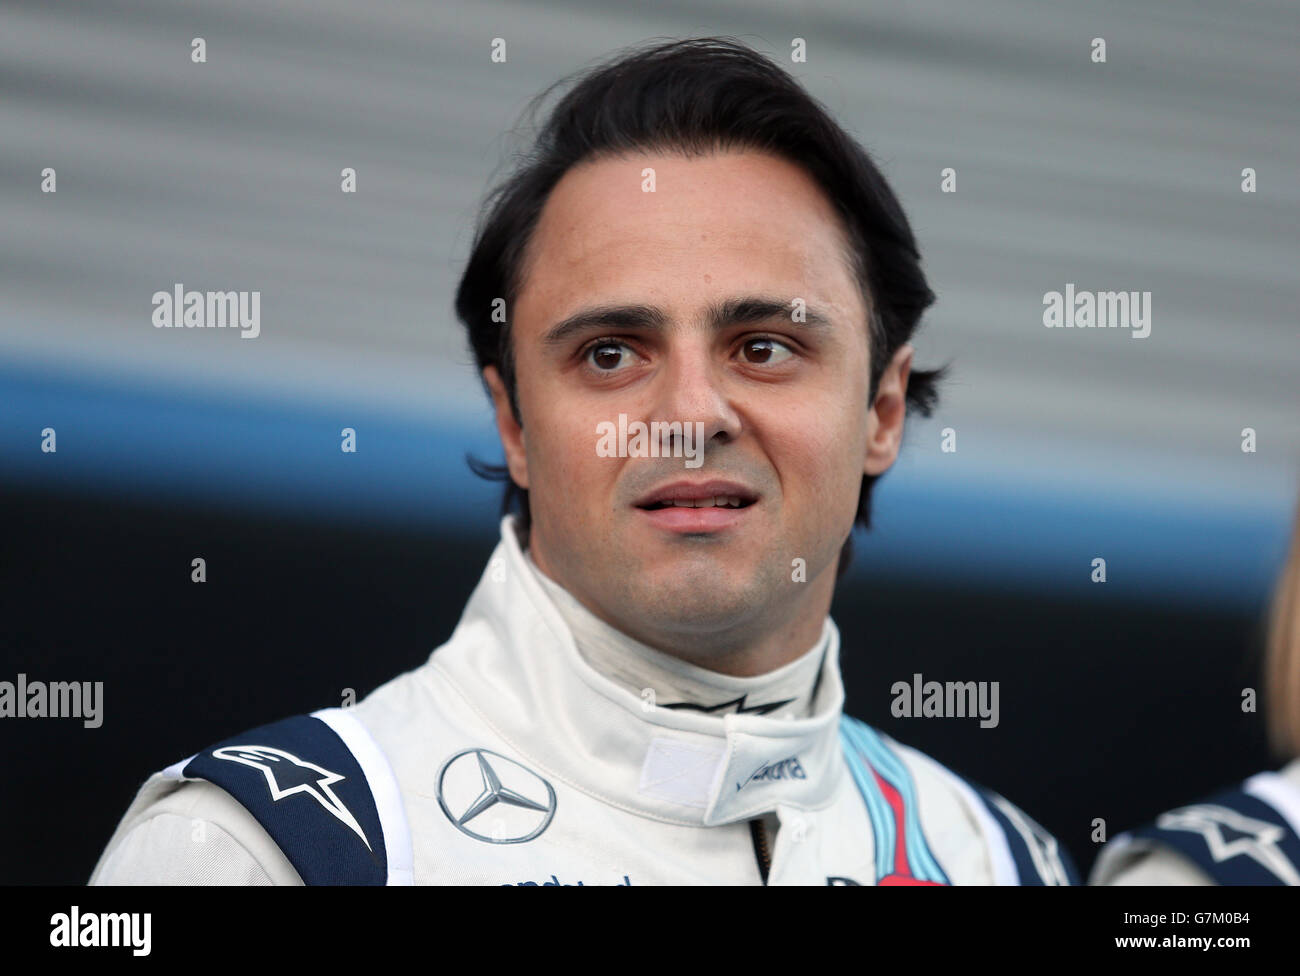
(1230, 834)
(735, 706)
(286, 775)
(788, 768)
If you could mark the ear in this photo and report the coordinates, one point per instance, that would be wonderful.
(885, 419)
(511, 431)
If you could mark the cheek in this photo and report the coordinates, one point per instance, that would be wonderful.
(567, 474)
(567, 477)
(822, 450)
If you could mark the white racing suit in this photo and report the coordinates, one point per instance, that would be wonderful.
(507, 759)
(1248, 835)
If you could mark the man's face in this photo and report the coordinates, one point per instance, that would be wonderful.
(694, 289)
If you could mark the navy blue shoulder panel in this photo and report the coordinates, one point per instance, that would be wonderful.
(1048, 863)
(308, 791)
(1234, 837)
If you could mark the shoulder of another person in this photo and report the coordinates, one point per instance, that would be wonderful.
(1148, 866)
(1246, 835)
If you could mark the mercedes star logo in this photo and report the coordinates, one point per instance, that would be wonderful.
(494, 799)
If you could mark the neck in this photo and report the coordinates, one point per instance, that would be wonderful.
(785, 688)
(770, 639)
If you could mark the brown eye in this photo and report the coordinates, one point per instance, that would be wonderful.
(607, 356)
(765, 352)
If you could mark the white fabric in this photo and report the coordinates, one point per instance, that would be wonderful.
(510, 681)
(999, 849)
(1281, 792)
(682, 772)
(218, 860)
(383, 788)
(1128, 864)
(190, 833)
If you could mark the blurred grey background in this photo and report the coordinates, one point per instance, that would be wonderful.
(1072, 444)
(225, 175)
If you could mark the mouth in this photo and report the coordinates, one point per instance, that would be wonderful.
(708, 506)
(718, 501)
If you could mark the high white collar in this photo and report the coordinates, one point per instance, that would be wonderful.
(514, 660)
(661, 678)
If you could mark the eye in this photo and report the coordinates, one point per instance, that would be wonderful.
(765, 352)
(608, 355)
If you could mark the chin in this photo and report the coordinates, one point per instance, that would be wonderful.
(694, 611)
(701, 593)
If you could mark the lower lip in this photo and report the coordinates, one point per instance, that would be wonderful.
(681, 519)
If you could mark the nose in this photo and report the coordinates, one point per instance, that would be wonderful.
(693, 388)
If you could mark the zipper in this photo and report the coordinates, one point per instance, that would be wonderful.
(759, 834)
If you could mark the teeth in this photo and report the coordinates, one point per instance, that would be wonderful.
(719, 501)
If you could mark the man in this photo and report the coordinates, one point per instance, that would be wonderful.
(691, 307)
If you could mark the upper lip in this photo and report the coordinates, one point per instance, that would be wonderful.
(690, 491)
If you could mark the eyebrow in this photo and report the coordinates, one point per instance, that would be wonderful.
(720, 315)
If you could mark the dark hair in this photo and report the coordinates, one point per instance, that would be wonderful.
(696, 96)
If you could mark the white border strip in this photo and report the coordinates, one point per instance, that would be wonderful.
(383, 786)
(177, 770)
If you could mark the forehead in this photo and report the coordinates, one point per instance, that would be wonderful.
(718, 222)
